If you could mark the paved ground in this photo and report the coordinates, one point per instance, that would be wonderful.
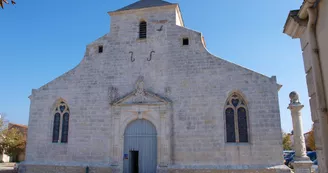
(6, 170)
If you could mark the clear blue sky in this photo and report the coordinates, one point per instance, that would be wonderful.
(41, 40)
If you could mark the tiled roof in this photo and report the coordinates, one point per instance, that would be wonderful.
(19, 125)
(145, 4)
(21, 128)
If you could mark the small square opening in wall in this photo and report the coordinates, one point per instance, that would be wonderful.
(100, 49)
(185, 41)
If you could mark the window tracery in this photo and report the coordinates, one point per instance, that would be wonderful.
(236, 116)
(61, 122)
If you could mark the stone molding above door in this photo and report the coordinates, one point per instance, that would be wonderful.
(141, 104)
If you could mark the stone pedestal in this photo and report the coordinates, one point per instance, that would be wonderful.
(302, 163)
(302, 166)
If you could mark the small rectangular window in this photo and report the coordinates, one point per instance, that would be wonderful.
(185, 41)
(100, 49)
(143, 30)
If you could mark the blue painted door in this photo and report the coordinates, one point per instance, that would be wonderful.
(140, 136)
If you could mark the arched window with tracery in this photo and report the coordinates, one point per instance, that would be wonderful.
(236, 116)
(61, 122)
(143, 29)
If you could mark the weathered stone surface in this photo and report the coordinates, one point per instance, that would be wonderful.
(302, 166)
(307, 58)
(267, 170)
(62, 169)
(309, 81)
(81, 169)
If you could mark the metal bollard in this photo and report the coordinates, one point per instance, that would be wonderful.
(87, 169)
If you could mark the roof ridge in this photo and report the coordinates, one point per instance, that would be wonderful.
(21, 125)
(145, 4)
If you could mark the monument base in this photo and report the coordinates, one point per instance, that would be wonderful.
(302, 166)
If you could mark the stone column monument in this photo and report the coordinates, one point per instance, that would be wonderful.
(302, 163)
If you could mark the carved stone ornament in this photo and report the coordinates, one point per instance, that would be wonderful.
(294, 98)
(138, 96)
(113, 93)
(140, 91)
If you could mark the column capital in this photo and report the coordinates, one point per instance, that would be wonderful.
(295, 107)
(295, 104)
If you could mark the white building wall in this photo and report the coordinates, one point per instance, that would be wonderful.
(196, 82)
(5, 158)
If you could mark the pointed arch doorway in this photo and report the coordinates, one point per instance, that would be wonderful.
(140, 147)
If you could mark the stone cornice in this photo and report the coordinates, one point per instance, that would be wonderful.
(302, 13)
(179, 15)
(294, 26)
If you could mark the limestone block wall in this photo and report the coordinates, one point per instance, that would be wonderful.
(125, 24)
(320, 122)
(62, 169)
(198, 115)
(196, 82)
(322, 37)
(82, 169)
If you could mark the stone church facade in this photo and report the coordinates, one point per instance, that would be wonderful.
(148, 97)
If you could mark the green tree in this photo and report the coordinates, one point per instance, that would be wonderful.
(286, 142)
(2, 2)
(12, 142)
